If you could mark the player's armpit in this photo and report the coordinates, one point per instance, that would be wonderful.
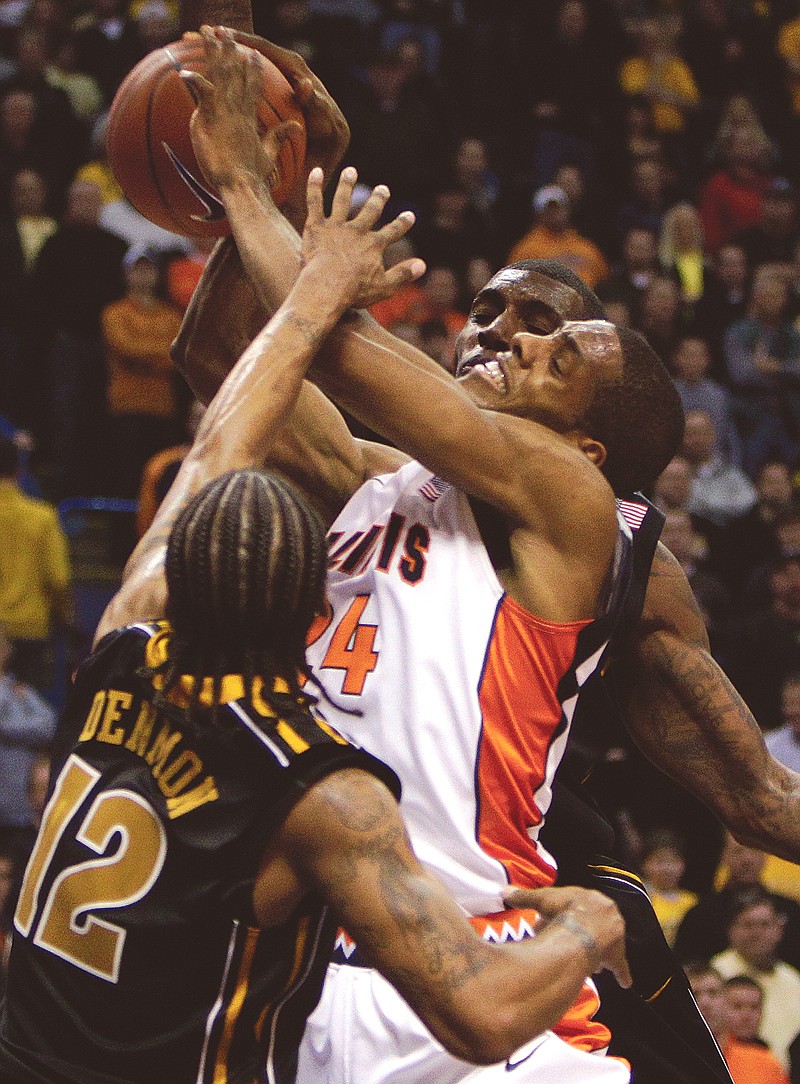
(346, 840)
(687, 718)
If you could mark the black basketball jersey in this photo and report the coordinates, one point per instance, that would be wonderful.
(136, 956)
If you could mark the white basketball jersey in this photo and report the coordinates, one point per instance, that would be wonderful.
(429, 665)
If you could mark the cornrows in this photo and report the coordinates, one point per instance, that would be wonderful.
(245, 572)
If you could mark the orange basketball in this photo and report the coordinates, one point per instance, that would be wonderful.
(150, 148)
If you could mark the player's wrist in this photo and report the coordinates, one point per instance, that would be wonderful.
(570, 921)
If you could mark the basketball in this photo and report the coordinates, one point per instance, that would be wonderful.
(150, 148)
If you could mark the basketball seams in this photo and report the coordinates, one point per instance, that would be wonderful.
(155, 86)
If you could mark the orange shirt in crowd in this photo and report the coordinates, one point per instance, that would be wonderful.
(568, 247)
(140, 372)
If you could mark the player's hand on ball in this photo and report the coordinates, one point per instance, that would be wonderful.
(350, 250)
(591, 917)
(327, 131)
(224, 127)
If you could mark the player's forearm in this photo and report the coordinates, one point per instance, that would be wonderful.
(525, 989)
(237, 430)
(246, 279)
(481, 1001)
(223, 317)
(690, 721)
(268, 245)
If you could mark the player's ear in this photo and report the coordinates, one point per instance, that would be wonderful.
(593, 449)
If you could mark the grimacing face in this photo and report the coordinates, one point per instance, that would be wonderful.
(514, 300)
(527, 351)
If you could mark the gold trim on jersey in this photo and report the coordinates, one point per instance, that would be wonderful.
(232, 689)
(220, 1075)
(659, 991)
(299, 956)
(625, 874)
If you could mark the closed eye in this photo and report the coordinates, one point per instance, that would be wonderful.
(482, 317)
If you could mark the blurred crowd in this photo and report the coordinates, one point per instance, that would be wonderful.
(650, 145)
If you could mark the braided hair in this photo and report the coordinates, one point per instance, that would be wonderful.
(245, 571)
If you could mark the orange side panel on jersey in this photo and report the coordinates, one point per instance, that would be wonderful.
(577, 1027)
(526, 661)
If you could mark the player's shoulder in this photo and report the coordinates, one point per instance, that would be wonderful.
(378, 459)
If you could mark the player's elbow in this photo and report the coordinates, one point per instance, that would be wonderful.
(485, 1033)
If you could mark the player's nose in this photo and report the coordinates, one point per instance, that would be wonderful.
(527, 348)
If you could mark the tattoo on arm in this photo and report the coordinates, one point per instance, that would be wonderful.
(378, 854)
(588, 943)
(690, 720)
(308, 329)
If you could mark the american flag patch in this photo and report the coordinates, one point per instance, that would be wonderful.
(633, 513)
(433, 489)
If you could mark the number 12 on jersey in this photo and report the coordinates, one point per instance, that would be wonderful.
(64, 923)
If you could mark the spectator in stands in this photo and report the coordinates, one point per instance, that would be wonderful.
(726, 289)
(784, 743)
(690, 548)
(35, 587)
(22, 146)
(27, 727)
(748, 1064)
(730, 200)
(646, 203)
(690, 364)
(55, 129)
(85, 96)
(662, 865)
(553, 237)
(107, 43)
(673, 486)
(749, 546)
(78, 273)
(788, 50)
(474, 175)
(660, 316)
(394, 131)
(22, 234)
(575, 89)
(774, 237)
(766, 645)
(762, 360)
(138, 331)
(637, 269)
(755, 929)
(715, 45)
(657, 73)
(744, 1002)
(160, 471)
(741, 871)
(451, 232)
(681, 252)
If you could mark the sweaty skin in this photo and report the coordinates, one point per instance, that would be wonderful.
(679, 706)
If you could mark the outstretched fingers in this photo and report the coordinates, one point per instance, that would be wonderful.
(314, 187)
(343, 196)
(404, 272)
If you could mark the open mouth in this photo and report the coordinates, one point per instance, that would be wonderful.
(493, 371)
